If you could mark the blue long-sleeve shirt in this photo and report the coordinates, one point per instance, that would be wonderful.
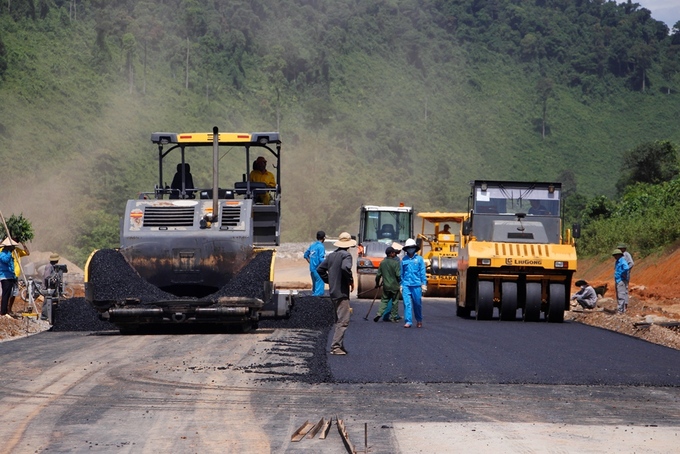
(7, 264)
(315, 254)
(621, 270)
(413, 271)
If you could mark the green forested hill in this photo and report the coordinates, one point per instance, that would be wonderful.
(377, 101)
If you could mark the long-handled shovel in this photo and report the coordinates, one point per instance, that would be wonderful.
(372, 302)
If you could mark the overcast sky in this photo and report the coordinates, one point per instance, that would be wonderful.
(663, 10)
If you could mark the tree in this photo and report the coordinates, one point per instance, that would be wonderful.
(129, 49)
(20, 229)
(597, 208)
(642, 57)
(99, 230)
(651, 162)
(194, 27)
(544, 90)
(670, 63)
(574, 207)
(273, 66)
(3, 58)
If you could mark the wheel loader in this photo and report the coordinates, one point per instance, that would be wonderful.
(514, 254)
(379, 227)
(196, 255)
(440, 248)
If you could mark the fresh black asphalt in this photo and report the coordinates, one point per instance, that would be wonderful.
(450, 349)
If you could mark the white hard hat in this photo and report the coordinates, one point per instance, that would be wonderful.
(410, 243)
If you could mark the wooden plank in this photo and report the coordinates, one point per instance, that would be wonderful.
(316, 428)
(345, 437)
(326, 427)
(300, 433)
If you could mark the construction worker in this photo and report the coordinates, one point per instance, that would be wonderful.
(390, 273)
(586, 296)
(10, 270)
(628, 258)
(413, 283)
(336, 269)
(48, 271)
(620, 274)
(260, 174)
(314, 255)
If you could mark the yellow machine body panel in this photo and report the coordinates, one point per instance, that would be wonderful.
(440, 251)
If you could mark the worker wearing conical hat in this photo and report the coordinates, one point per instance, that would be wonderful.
(10, 270)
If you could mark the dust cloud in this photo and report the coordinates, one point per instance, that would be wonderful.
(47, 199)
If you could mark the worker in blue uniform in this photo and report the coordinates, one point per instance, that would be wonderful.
(314, 256)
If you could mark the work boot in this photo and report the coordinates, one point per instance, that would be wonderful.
(376, 318)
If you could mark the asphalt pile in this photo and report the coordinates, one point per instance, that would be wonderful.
(76, 314)
(249, 281)
(113, 279)
(308, 312)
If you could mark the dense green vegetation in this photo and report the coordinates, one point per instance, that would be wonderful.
(646, 216)
(377, 101)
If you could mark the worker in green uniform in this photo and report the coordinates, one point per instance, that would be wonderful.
(390, 273)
